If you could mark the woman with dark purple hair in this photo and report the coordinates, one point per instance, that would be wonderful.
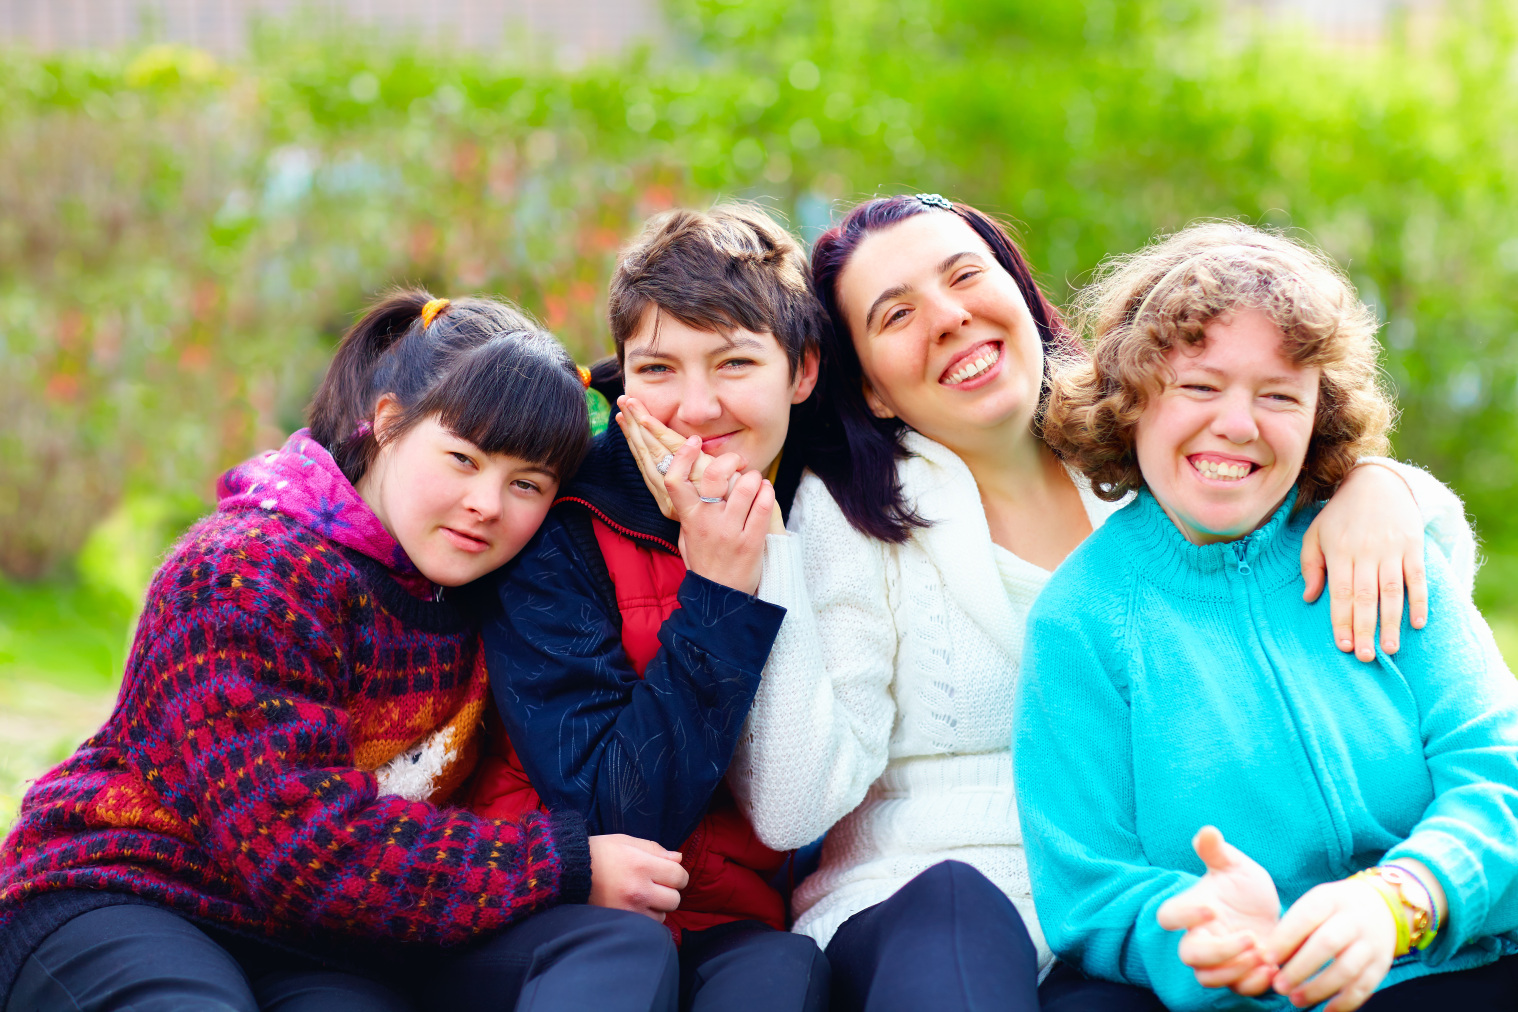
(930, 518)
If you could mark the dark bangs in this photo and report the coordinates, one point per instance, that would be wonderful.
(513, 396)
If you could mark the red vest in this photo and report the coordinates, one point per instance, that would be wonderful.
(729, 868)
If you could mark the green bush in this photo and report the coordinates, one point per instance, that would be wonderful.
(181, 240)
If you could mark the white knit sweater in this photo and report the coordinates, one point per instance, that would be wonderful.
(885, 711)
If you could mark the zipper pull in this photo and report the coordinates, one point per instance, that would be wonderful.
(437, 594)
(1238, 558)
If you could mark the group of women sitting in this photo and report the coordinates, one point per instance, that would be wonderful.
(450, 704)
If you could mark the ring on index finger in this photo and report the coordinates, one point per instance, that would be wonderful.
(663, 465)
(715, 498)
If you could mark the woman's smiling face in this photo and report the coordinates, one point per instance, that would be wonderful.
(734, 390)
(943, 334)
(1222, 444)
(456, 511)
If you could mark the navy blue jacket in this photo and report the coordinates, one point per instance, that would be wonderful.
(640, 756)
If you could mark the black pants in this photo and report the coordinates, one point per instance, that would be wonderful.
(152, 960)
(748, 966)
(950, 940)
(1490, 988)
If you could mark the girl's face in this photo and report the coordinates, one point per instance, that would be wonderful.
(943, 335)
(734, 390)
(457, 512)
(1223, 443)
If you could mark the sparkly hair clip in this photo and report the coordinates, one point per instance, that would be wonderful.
(362, 429)
(584, 376)
(934, 200)
(432, 310)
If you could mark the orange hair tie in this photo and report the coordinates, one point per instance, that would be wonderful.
(584, 376)
(432, 310)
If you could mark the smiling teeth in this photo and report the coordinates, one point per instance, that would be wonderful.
(975, 368)
(1225, 472)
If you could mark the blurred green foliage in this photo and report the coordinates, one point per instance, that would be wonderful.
(181, 240)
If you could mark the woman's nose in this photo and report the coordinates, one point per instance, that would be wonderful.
(698, 402)
(1234, 420)
(945, 314)
(484, 502)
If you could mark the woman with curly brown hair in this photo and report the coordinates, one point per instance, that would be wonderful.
(1177, 689)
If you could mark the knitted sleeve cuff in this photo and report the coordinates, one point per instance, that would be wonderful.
(573, 845)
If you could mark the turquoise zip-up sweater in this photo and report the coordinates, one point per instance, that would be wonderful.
(1167, 686)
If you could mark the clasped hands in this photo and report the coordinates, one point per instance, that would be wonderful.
(1236, 936)
(721, 541)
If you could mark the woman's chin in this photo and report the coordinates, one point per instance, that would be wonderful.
(998, 407)
(1205, 524)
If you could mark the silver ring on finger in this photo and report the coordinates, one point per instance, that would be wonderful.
(663, 465)
(712, 498)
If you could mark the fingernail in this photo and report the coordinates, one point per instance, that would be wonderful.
(1346, 644)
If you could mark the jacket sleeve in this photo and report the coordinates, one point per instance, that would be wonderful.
(256, 759)
(820, 729)
(1468, 703)
(1446, 528)
(1096, 893)
(640, 756)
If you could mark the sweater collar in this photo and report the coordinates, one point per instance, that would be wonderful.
(958, 538)
(1271, 555)
(610, 485)
(303, 482)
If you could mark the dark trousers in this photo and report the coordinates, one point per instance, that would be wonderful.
(748, 966)
(148, 959)
(950, 940)
(1490, 988)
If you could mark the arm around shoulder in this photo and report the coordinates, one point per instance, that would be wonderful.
(1445, 524)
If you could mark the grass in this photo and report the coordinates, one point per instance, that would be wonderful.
(62, 648)
(63, 643)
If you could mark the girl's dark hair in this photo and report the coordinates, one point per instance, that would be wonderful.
(852, 451)
(483, 367)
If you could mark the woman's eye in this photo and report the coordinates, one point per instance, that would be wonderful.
(462, 458)
(644, 370)
(1199, 387)
(737, 363)
(895, 315)
(525, 485)
(971, 273)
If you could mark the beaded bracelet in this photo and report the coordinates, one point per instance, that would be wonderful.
(1433, 908)
(1394, 904)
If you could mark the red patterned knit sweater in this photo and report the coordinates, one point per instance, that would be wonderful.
(283, 656)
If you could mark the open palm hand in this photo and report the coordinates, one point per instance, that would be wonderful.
(1227, 917)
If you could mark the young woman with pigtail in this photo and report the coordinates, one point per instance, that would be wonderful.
(264, 820)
